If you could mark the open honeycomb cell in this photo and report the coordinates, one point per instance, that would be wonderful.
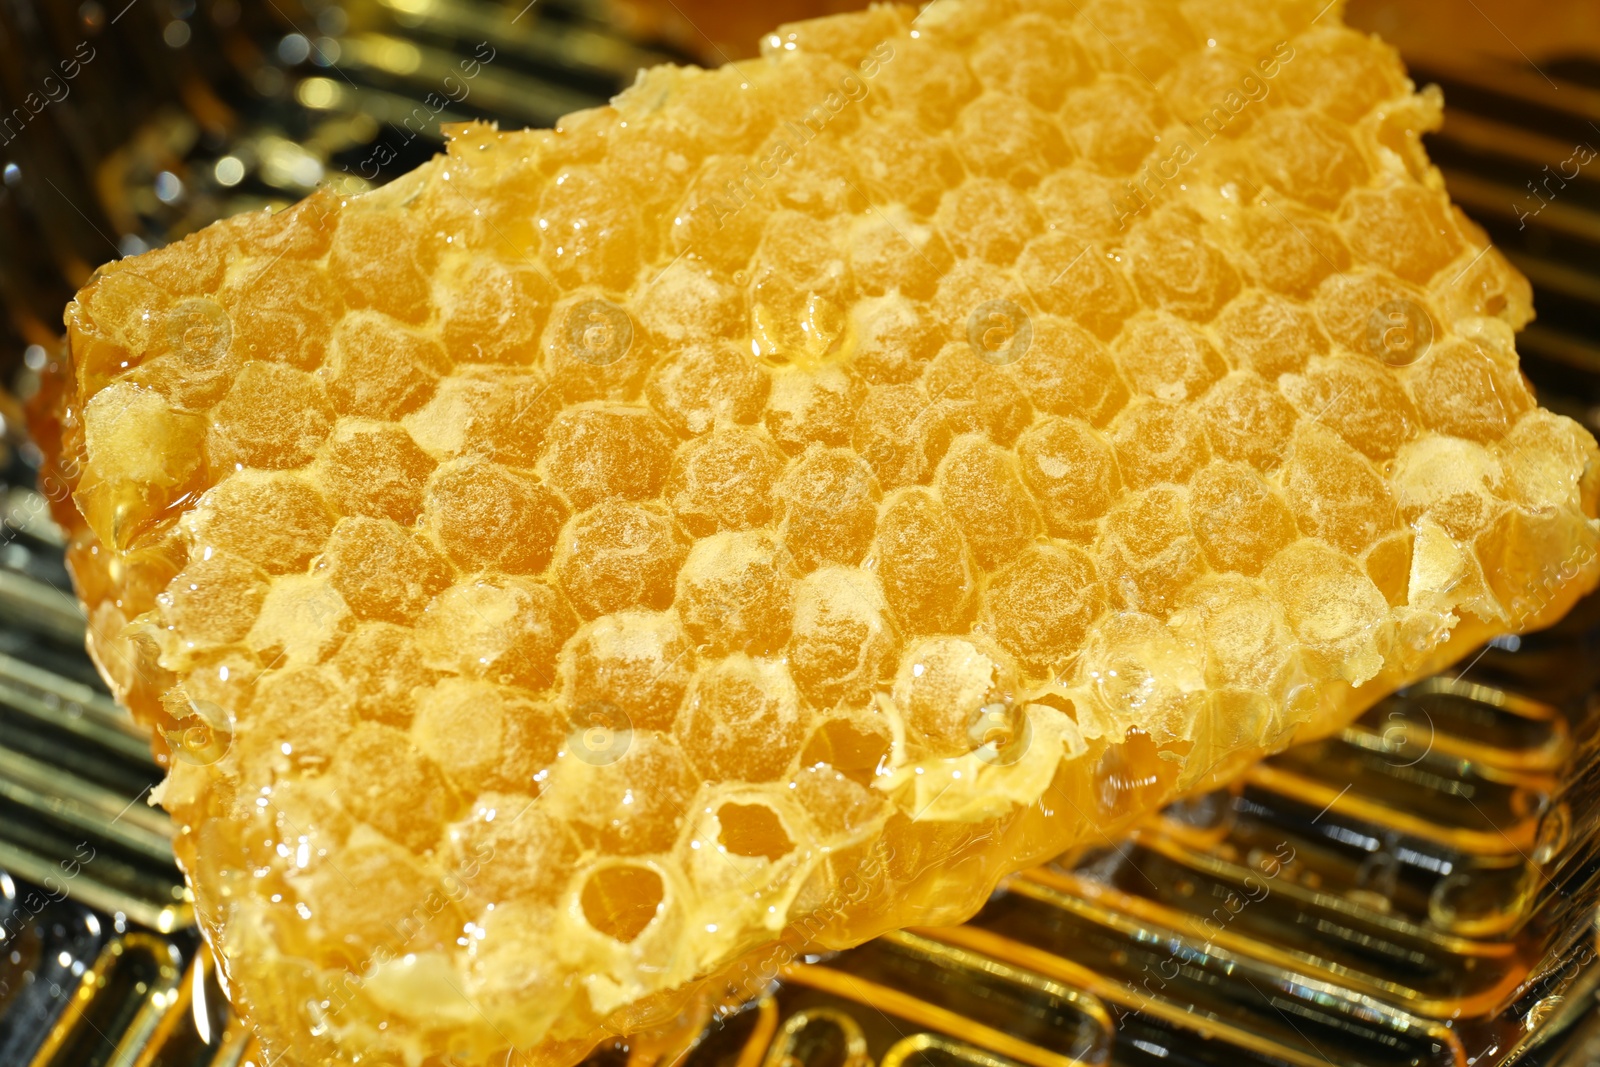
(608, 553)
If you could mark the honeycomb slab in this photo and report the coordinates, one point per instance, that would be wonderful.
(768, 510)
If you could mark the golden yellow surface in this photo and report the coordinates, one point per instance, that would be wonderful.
(766, 511)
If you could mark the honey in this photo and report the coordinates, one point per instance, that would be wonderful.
(766, 511)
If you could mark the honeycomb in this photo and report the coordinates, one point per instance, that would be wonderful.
(764, 512)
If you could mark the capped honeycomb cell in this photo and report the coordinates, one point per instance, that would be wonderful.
(276, 521)
(610, 549)
(1178, 268)
(376, 470)
(703, 387)
(922, 559)
(841, 637)
(901, 433)
(1158, 442)
(382, 369)
(1067, 371)
(488, 518)
(393, 787)
(988, 219)
(1308, 154)
(374, 265)
(1077, 279)
(723, 481)
(894, 252)
(489, 411)
(213, 601)
(604, 453)
(1357, 400)
(1032, 57)
(510, 848)
(978, 397)
(1290, 250)
(1270, 335)
(1403, 229)
(1342, 74)
(1114, 122)
(493, 313)
(902, 164)
(742, 720)
(381, 668)
(626, 800)
(1148, 551)
(1248, 420)
(895, 339)
(618, 556)
(593, 350)
(590, 229)
(942, 684)
(270, 315)
(736, 590)
(1043, 602)
(638, 663)
(827, 507)
(808, 407)
(383, 570)
(273, 417)
(979, 483)
(1240, 521)
(1335, 493)
(1005, 136)
(1463, 392)
(506, 630)
(1160, 356)
(366, 897)
(1071, 471)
